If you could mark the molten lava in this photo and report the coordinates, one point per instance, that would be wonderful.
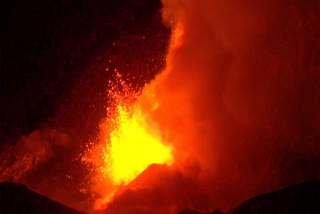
(133, 145)
(134, 141)
(130, 141)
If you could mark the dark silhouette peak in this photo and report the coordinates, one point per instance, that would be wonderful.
(18, 199)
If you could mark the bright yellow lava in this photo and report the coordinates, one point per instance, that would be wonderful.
(134, 146)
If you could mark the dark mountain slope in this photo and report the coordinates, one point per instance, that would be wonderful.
(301, 198)
(18, 199)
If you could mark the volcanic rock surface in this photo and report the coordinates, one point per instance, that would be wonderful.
(18, 199)
(194, 212)
(300, 198)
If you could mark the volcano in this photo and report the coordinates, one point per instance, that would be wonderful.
(17, 198)
(149, 106)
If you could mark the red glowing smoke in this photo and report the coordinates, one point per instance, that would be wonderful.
(238, 99)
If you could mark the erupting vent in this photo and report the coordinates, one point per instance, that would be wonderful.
(135, 141)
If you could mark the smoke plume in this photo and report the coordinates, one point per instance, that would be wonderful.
(238, 101)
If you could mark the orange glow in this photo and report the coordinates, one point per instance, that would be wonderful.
(134, 141)
(134, 146)
(177, 35)
(130, 141)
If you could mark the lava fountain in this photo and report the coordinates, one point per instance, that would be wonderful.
(138, 131)
(135, 141)
(130, 141)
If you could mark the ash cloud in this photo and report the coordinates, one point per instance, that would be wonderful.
(44, 161)
(30, 152)
(239, 96)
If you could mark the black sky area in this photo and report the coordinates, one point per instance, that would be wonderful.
(54, 55)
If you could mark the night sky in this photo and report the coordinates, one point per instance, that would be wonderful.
(54, 55)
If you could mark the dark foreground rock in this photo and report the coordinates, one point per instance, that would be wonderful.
(194, 212)
(303, 198)
(18, 199)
